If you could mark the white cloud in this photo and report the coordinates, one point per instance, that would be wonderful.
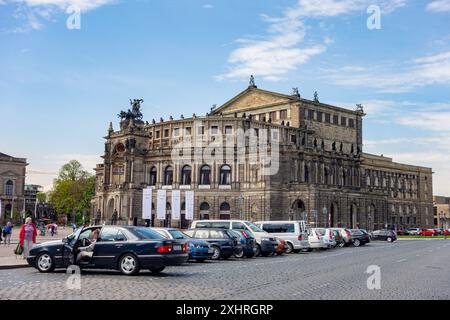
(207, 6)
(279, 51)
(439, 6)
(35, 12)
(419, 72)
(84, 5)
(433, 121)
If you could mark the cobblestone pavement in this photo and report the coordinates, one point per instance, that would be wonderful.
(409, 270)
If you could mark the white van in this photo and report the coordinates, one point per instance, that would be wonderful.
(295, 233)
(266, 244)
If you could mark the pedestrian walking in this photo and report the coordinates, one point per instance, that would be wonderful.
(52, 230)
(7, 232)
(27, 236)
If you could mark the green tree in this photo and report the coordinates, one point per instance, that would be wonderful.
(73, 171)
(41, 197)
(72, 191)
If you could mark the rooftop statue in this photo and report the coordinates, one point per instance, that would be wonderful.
(134, 113)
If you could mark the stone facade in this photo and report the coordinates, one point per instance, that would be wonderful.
(441, 212)
(324, 176)
(12, 184)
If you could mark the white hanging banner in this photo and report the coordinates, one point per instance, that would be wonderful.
(189, 205)
(147, 203)
(176, 204)
(161, 205)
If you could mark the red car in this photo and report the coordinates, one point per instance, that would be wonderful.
(427, 232)
(446, 232)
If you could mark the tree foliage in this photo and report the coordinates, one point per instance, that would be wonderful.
(72, 191)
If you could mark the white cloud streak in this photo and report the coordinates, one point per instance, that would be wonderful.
(420, 72)
(439, 6)
(280, 50)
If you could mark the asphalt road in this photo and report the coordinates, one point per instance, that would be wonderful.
(414, 269)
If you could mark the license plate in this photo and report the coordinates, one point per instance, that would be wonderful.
(177, 248)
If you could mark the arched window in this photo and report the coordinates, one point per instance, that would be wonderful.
(225, 175)
(168, 176)
(225, 206)
(9, 187)
(186, 175)
(205, 175)
(306, 173)
(204, 206)
(153, 176)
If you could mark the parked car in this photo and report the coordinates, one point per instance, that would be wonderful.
(360, 237)
(338, 238)
(427, 232)
(414, 231)
(295, 233)
(199, 250)
(316, 240)
(124, 248)
(446, 232)
(247, 245)
(402, 232)
(384, 235)
(222, 241)
(328, 236)
(347, 239)
(266, 244)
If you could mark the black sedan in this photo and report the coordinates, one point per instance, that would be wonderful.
(223, 241)
(384, 235)
(359, 237)
(124, 248)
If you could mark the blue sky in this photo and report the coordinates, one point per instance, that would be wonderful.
(60, 88)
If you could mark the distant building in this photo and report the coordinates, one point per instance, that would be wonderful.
(324, 176)
(31, 192)
(441, 212)
(12, 185)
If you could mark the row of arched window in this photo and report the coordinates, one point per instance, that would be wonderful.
(224, 177)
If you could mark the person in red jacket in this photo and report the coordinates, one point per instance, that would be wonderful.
(27, 236)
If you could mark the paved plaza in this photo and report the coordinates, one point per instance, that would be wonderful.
(414, 269)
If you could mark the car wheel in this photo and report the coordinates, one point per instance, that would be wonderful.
(156, 270)
(289, 248)
(216, 253)
(258, 250)
(389, 239)
(356, 243)
(45, 263)
(240, 254)
(129, 264)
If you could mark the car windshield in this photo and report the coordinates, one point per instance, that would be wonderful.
(145, 233)
(176, 234)
(253, 227)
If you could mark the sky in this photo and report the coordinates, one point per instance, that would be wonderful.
(63, 79)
